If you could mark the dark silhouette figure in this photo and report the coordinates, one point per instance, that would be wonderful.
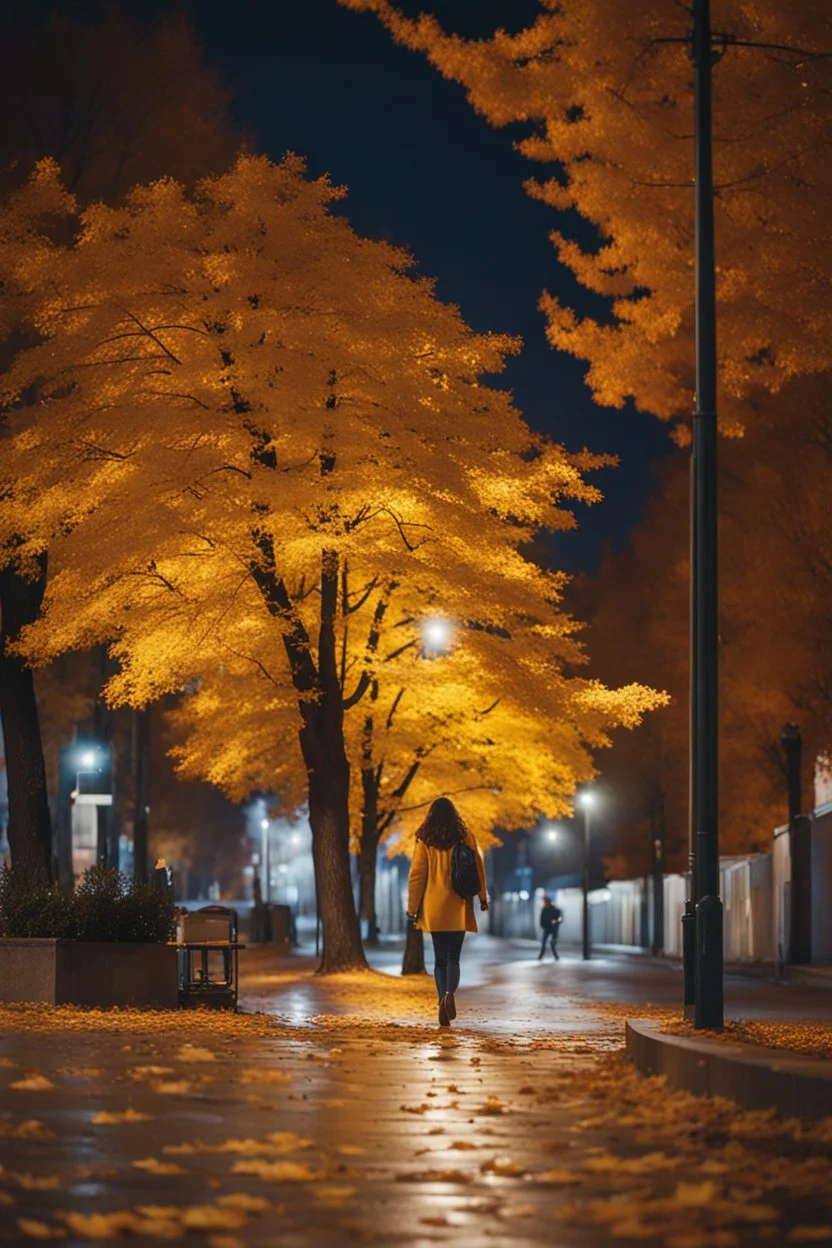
(551, 917)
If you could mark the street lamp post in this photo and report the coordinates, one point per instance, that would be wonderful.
(265, 864)
(708, 1010)
(586, 799)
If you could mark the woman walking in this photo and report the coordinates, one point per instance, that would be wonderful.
(432, 902)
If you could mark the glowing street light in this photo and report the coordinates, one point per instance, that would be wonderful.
(88, 759)
(551, 834)
(436, 635)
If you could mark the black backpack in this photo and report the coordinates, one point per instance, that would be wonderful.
(465, 878)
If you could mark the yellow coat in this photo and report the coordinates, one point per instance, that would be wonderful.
(430, 895)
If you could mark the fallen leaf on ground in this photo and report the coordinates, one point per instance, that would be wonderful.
(33, 1083)
(99, 1225)
(350, 1150)
(195, 1053)
(39, 1230)
(31, 1129)
(437, 1176)
(159, 1229)
(492, 1105)
(262, 1074)
(210, 1218)
(558, 1178)
(244, 1202)
(334, 1196)
(810, 1235)
(703, 1239)
(518, 1211)
(463, 1146)
(694, 1195)
(33, 1182)
(6, 1199)
(504, 1167)
(633, 1228)
(277, 1171)
(158, 1213)
(138, 1073)
(105, 1119)
(152, 1165)
(172, 1087)
(225, 1241)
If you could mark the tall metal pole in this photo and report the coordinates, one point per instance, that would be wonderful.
(689, 916)
(586, 881)
(704, 683)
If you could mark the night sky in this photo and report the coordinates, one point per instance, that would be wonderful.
(425, 172)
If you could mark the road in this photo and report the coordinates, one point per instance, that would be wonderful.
(340, 1113)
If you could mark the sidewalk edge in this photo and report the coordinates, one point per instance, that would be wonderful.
(755, 1077)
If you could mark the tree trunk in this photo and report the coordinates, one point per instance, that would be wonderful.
(368, 854)
(321, 705)
(30, 825)
(325, 755)
(413, 962)
(329, 820)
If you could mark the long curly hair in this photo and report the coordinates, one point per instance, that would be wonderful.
(443, 826)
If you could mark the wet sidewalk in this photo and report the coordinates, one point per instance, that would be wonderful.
(343, 1114)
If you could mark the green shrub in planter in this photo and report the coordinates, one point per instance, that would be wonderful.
(29, 906)
(105, 906)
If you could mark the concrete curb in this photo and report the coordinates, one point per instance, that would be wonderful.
(755, 1077)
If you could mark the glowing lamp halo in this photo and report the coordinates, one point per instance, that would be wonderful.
(437, 634)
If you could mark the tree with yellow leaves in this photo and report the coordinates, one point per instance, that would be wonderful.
(775, 592)
(605, 91)
(109, 98)
(252, 427)
(486, 718)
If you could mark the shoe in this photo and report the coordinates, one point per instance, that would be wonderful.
(450, 1005)
(557, 957)
(444, 1021)
(540, 957)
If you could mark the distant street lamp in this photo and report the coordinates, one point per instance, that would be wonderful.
(587, 801)
(551, 834)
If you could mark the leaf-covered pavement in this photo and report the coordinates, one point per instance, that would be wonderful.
(345, 1115)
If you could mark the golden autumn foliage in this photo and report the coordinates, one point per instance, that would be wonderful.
(604, 92)
(262, 454)
(775, 589)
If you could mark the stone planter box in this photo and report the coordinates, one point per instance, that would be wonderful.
(81, 972)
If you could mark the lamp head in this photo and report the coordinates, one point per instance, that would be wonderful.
(436, 633)
(88, 758)
(264, 825)
(586, 798)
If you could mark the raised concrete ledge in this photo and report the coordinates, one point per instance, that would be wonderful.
(756, 1077)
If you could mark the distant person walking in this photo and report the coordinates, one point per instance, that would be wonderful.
(551, 917)
(446, 874)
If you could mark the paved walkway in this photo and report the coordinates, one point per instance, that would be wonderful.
(343, 1114)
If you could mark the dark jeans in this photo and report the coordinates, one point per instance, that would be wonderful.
(447, 946)
(549, 934)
